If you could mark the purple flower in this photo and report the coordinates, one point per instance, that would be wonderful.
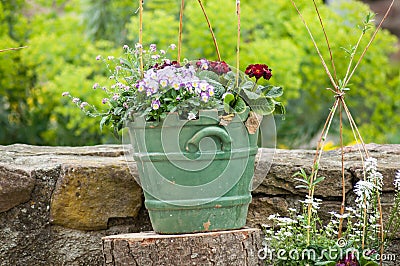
(65, 93)
(83, 104)
(176, 85)
(115, 96)
(211, 90)
(172, 46)
(76, 100)
(204, 96)
(153, 47)
(96, 85)
(104, 101)
(110, 57)
(349, 260)
(219, 67)
(125, 47)
(164, 83)
(155, 104)
(138, 46)
(98, 57)
(140, 86)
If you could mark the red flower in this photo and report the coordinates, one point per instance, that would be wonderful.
(219, 67)
(258, 71)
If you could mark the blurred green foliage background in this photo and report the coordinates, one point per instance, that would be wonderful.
(65, 36)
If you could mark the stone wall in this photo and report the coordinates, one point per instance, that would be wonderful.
(57, 202)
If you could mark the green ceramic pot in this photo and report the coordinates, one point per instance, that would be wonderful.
(196, 175)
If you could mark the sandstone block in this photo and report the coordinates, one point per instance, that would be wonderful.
(89, 192)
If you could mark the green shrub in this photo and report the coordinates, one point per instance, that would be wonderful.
(61, 57)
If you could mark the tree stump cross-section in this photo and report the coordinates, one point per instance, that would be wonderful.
(235, 247)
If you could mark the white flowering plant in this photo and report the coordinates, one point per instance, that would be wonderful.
(360, 243)
(356, 235)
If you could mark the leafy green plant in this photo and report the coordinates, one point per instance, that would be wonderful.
(165, 86)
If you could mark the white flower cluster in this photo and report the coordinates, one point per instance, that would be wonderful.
(373, 182)
(313, 201)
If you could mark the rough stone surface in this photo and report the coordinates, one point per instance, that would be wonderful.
(27, 235)
(15, 188)
(46, 225)
(236, 248)
(280, 179)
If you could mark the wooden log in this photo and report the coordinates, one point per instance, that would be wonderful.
(235, 247)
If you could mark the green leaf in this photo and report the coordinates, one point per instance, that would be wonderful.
(247, 85)
(262, 106)
(208, 75)
(301, 186)
(240, 105)
(250, 95)
(274, 92)
(118, 110)
(279, 108)
(367, 262)
(300, 180)
(218, 88)
(228, 102)
(319, 179)
(105, 121)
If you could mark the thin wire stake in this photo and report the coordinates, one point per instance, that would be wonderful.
(13, 49)
(327, 42)
(180, 30)
(317, 158)
(211, 30)
(316, 46)
(238, 43)
(141, 37)
(342, 206)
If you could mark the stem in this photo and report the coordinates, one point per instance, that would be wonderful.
(316, 47)
(238, 43)
(327, 41)
(13, 49)
(369, 43)
(364, 224)
(317, 159)
(352, 58)
(180, 30)
(343, 179)
(353, 125)
(211, 30)
(382, 232)
(141, 36)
